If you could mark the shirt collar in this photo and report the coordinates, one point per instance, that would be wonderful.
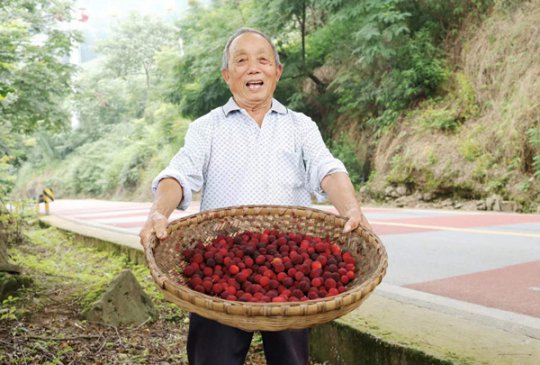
(232, 106)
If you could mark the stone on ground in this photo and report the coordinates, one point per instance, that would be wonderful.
(123, 304)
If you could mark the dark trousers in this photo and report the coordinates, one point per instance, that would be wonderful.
(212, 343)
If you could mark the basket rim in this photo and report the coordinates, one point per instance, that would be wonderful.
(164, 281)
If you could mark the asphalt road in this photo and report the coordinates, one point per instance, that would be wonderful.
(484, 258)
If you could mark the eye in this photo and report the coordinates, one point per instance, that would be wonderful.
(264, 61)
(240, 60)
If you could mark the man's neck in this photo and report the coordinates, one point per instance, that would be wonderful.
(257, 111)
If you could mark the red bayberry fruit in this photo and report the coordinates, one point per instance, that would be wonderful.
(207, 284)
(304, 286)
(188, 253)
(320, 247)
(304, 244)
(208, 271)
(348, 258)
(281, 276)
(335, 249)
(330, 283)
(288, 282)
(315, 265)
(217, 288)
(189, 270)
(198, 258)
(231, 290)
(264, 281)
(199, 288)
(322, 259)
(316, 273)
(332, 292)
(240, 278)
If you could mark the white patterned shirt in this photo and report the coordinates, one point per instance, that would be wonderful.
(236, 162)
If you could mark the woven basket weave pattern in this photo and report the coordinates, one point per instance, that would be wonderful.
(166, 263)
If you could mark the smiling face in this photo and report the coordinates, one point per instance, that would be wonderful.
(253, 73)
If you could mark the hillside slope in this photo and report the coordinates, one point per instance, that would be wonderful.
(482, 136)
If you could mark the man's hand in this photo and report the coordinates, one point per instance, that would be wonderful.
(157, 223)
(341, 193)
(168, 196)
(356, 219)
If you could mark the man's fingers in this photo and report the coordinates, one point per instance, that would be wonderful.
(145, 235)
(350, 225)
(160, 226)
(161, 233)
(156, 223)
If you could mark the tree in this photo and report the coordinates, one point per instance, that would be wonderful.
(34, 83)
(104, 99)
(134, 43)
(292, 22)
(34, 77)
(204, 31)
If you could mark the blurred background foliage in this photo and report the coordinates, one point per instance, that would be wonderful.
(366, 71)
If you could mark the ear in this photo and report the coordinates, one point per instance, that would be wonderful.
(279, 70)
(225, 75)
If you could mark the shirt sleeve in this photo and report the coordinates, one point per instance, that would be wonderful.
(188, 165)
(318, 159)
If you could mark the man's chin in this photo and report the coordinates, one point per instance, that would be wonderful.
(250, 101)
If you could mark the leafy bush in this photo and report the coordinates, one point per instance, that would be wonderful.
(470, 149)
(441, 119)
(400, 171)
(344, 149)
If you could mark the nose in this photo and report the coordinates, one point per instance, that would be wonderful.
(253, 67)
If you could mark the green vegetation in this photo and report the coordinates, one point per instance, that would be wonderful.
(366, 71)
(534, 140)
(344, 149)
(33, 79)
(89, 277)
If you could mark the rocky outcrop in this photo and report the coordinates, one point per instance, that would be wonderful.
(402, 196)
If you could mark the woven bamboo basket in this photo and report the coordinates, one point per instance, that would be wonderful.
(165, 263)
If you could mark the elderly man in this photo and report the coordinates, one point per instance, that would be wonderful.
(252, 150)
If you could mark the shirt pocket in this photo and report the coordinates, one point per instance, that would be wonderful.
(289, 169)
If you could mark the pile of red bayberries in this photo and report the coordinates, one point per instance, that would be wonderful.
(269, 267)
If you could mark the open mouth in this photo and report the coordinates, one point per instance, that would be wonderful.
(254, 85)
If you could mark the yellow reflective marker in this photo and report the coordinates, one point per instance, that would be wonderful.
(48, 196)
